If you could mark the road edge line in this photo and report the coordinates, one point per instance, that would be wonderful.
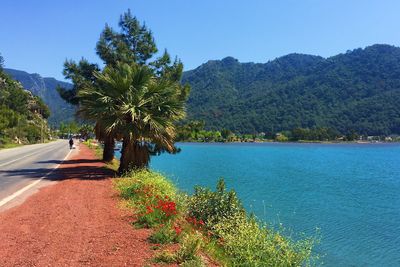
(22, 190)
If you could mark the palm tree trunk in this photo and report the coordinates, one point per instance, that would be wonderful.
(108, 151)
(134, 155)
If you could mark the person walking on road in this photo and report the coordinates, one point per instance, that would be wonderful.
(71, 143)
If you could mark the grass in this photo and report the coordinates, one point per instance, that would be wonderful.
(6, 145)
(164, 235)
(113, 165)
(188, 252)
(9, 145)
(12, 145)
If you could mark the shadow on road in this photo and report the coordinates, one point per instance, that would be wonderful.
(74, 161)
(82, 169)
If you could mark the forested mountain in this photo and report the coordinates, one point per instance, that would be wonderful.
(22, 115)
(45, 88)
(358, 91)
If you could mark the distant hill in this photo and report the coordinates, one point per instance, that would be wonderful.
(45, 88)
(355, 91)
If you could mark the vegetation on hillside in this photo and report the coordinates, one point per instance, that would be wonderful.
(23, 117)
(352, 92)
(45, 88)
(357, 91)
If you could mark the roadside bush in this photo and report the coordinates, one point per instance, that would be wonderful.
(249, 244)
(244, 240)
(152, 196)
(135, 184)
(213, 221)
(212, 207)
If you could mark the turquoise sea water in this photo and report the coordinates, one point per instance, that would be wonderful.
(351, 192)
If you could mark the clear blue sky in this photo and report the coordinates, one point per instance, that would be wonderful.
(38, 35)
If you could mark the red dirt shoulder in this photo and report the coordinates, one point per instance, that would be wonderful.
(75, 222)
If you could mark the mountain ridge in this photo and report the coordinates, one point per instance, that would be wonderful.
(45, 88)
(355, 91)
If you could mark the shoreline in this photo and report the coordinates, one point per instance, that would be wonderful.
(293, 142)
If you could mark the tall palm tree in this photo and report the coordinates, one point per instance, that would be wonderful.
(139, 108)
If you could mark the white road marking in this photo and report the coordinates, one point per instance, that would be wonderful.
(21, 191)
(14, 160)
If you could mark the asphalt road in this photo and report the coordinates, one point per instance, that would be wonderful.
(22, 166)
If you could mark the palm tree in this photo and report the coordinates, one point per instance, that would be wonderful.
(108, 139)
(138, 108)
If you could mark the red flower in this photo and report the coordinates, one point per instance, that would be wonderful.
(149, 209)
(168, 207)
(177, 229)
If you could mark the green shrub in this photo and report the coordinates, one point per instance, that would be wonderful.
(242, 238)
(212, 207)
(249, 244)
